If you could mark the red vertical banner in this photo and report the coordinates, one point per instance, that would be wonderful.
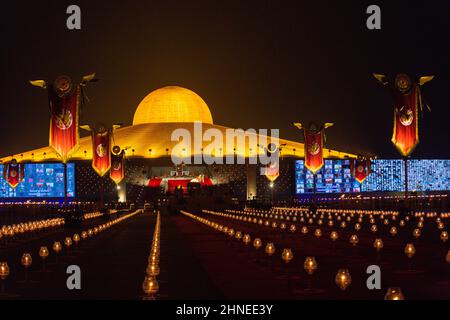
(407, 101)
(313, 149)
(360, 168)
(13, 173)
(314, 143)
(117, 172)
(64, 100)
(101, 150)
(406, 122)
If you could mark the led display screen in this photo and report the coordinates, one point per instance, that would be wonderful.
(387, 175)
(41, 180)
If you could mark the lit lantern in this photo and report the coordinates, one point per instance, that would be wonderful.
(410, 250)
(354, 239)
(378, 244)
(238, 235)
(26, 260)
(343, 224)
(152, 270)
(90, 232)
(4, 270)
(231, 232)
(440, 225)
(407, 218)
(444, 236)
(310, 265)
(287, 255)
(257, 243)
(246, 239)
(318, 233)
(274, 224)
(283, 226)
(270, 248)
(394, 294)
(76, 238)
(57, 247)
(84, 235)
(386, 222)
(150, 285)
(393, 231)
(304, 230)
(330, 223)
(334, 235)
(420, 225)
(68, 241)
(416, 233)
(43, 253)
(402, 223)
(374, 228)
(343, 279)
(357, 227)
(293, 228)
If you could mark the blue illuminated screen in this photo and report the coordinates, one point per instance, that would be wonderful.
(41, 180)
(387, 175)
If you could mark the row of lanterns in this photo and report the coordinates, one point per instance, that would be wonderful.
(343, 278)
(334, 235)
(27, 260)
(150, 285)
(31, 226)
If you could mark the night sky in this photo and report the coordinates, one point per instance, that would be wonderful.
(257, 64)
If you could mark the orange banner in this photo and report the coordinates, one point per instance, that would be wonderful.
(117, 172)
(360, 168)
(64, 100)
(101, 153)
(313, 149)
(13, 173)
(406, 122)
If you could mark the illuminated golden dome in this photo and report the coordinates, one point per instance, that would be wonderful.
(172, 104)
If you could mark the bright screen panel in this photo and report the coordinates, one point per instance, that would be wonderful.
(41, 180)
(387, 175)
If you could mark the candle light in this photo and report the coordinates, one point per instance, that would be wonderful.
(57, 247)
(374, 228)
(334, 235)
(357, 227)
(257, 243)
(43, 253)
(304, 230)
(150, 285)
(246, 239)
(26, 260)
(152, 270)
(416, 233)
(444, 236)
(410, 250)
(393, 231)
(76, 238)
(68, 241)
(378, 244)
(292, 228)
(402, 223)
(354, 239)
(4, 270)
(287, 255)
(310, 265)
(318, 233)
(343, 279)
(270, 248)
(238, 235)
(394, 294)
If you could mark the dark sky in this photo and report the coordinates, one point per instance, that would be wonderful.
(257, 64)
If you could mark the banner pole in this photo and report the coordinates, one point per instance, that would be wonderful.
(314, 184)
(405, 161)
(65, 184)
